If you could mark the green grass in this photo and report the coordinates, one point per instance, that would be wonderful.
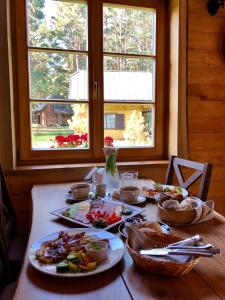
(50, 136)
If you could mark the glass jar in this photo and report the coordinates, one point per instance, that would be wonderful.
(110, 174)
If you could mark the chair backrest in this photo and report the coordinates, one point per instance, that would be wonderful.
(202, 171)
(7, 214)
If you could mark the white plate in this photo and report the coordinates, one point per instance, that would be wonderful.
(135, 211)
(184, 192)
(140, 200)
(164, 186)
(115, 253)
(71, 198)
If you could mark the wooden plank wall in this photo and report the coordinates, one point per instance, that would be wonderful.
(206, 93)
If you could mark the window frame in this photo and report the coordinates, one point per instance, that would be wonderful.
(116, 127)
(27, 156)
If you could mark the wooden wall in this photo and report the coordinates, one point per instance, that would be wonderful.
(206, 93)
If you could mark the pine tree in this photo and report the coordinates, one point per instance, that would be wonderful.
(135, 133)
(79, 121)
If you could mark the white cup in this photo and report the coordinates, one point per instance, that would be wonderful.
(129, 194)
(80, 190)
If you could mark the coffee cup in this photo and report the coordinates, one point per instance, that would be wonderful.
(80, 190)
(129, 194)
(100, 189)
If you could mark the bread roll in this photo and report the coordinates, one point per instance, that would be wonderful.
(171, 204)
(153, 225)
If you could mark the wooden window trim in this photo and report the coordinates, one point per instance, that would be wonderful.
(26, 156)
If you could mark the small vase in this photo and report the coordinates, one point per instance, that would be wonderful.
(110, 174)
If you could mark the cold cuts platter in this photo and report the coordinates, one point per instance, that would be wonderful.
(98, 213)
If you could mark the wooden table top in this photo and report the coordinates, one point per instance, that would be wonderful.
(124, 281)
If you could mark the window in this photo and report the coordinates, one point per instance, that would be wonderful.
(114, 121)
(87, 69)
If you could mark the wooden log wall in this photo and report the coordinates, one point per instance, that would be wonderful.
(206, 93)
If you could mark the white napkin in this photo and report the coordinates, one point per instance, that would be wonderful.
(95, 175)
(205, 212)
(138, 240)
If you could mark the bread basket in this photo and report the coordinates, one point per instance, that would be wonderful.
(162, 267)
(176, 216)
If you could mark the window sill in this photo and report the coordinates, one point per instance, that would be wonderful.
(83, 166)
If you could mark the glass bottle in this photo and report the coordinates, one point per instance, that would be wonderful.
(111, 174)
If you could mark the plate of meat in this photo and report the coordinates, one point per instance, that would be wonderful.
(67, 253)
(98, 213)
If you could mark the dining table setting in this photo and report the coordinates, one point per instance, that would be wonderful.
(141, 240)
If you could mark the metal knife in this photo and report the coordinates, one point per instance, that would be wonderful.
(198, 247)
(166, 251)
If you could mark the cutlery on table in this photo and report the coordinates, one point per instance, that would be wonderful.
(192, 252)
(206, 246)
(194, 239)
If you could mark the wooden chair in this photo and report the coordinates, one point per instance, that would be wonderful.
(12, 246)
(202, 171)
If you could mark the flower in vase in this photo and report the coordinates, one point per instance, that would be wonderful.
(108, 141)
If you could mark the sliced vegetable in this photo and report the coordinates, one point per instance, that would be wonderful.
(73, 258)
(101, 223)
(62, 267)
(91, 266)
(119, 210)
(127, 211)
(73, 267)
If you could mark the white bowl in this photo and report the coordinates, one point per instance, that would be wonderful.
(97, 255)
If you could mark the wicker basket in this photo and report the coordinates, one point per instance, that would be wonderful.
(169, 268)
(176, 216)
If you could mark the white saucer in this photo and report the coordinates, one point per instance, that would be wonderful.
(70, 197)
(140, 200)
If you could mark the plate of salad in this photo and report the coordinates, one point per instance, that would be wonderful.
(76, 252)
(155, 192)
(98, 213)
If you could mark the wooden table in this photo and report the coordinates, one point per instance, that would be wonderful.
(124, 281)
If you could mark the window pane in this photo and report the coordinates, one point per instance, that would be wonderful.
(128, 79)
(59, 125)
(128, 30)
(57, 24)
(133, 127)
(58, 74)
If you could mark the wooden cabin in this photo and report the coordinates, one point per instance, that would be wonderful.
(149, 74)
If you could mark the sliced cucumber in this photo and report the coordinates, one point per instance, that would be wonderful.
(62, 267)
(127, 211)
(73, 258)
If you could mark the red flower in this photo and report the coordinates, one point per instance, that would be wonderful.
(60, 139)
(71, 140)
(108, 141)
(84, 137)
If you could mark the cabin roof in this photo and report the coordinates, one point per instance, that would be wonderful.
(119, 85)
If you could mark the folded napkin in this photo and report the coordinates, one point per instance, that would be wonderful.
(204, 210)
(95, 175)
(141, 239)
